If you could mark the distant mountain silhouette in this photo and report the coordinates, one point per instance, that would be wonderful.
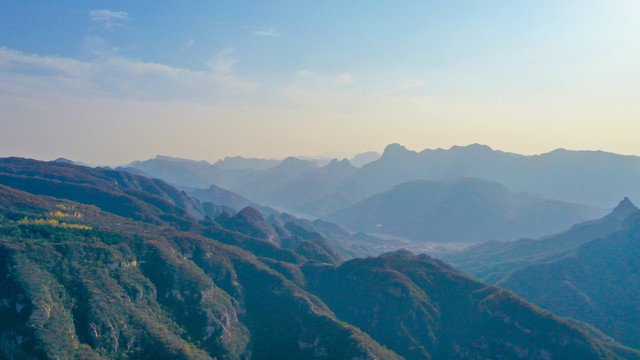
(241, 163)
(364, 158)
(184, 172)
(468, 210)
(310, 186)
(594, 178)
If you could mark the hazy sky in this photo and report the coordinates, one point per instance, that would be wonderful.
(107, 82)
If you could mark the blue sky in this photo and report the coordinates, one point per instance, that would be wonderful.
(114, 81)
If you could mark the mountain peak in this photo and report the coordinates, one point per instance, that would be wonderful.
(294, 161)
(473, 147)
(399, 252)
(335, 163)
(251, 215)
(394, 149)
(625, 207)
(63, 160)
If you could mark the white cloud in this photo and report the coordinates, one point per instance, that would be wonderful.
(108, 17)
(120, 77)
(223, 64)
(16, 61)
(269, 32)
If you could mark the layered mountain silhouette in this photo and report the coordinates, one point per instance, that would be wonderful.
(464, 210)
(364, 158)
(83, 278)
(594, 178)
(241, 163)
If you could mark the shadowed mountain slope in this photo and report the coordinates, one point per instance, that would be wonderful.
(465, 210)
(598, 282)
(493, 260)
(220, 196)
(423, 309)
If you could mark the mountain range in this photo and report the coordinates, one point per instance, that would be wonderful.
(462, 210)
(96, 263)
(593, 178)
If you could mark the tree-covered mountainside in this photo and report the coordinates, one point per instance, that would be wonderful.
(422, 308)
(598, 282)
(82, 280)
(141, 198)
(464, 210)
(493, 260)
(220, 196)
(146, 291)
(588, 272)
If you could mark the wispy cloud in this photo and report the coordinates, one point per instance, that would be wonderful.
(224, 62)
(187, 45)
(121, 77)
(269, 32)
(109, 18)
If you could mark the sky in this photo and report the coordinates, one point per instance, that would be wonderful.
(109, 82)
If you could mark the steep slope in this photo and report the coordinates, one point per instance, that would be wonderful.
(311, 185)
(121, 193)
(149, 292)
(468, 210)
(224, 197)
(364, 158)
(152, 200)
(597, 282)
(493, 260)
(348, 245)
(423, 309)
(290, 235)
(260, 185)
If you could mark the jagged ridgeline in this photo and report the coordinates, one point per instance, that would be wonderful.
(106, 265)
